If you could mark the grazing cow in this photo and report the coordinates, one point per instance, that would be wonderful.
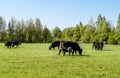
(8, 44)
(98, 45)
(74, 45)
(66, 49)
(15, 43)
(54, 44)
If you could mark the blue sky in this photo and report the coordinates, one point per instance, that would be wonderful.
(61, 13)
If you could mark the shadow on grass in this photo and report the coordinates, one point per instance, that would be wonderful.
(85, 55)
(107, 50)
(103, 50)
(81, 55)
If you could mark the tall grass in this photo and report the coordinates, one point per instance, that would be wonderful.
(36, 61)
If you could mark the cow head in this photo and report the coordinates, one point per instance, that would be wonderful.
(50, 48)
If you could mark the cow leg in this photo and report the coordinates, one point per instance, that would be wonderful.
(69, 53)
(72, 52)
(75, 53)
(7, 46)
(58, 47)
(100, 48)
(17, 45)
(59, 51)
(96, 48)
(54, 48)
(80, 53)
(64, 53)
(10, 46)
(93, 47)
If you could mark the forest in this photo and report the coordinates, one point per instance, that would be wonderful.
(32, 31)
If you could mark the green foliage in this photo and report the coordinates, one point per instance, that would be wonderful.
(118, 25)
(33, 32)
(99, 23)
(85, 38)
(67, 34)
(47, 38)
(57, 33)
(77, 34)
(2, 29)
(112, 39)
(38, 30)
(24, 31)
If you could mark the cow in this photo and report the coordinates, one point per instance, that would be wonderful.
(16, 43)
(54, 44)
(98, 45)
(74, 45)
(8, 44)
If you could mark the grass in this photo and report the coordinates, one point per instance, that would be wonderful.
(36, 61)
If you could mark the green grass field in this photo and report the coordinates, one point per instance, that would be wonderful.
(36, 61)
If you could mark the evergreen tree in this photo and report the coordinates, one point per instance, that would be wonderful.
(118, 25)
(91, 22)
(46, 35)
(99, 23)
(22, 31)
(2, 29)
(38, 35)
(11, 28)
(105, 28)
(17, 32)
(30, 31)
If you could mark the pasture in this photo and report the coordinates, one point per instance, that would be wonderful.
(36, 61)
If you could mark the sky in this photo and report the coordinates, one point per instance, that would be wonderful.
(60, 13)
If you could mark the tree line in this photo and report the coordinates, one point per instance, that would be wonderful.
(33, 32)
(24, 31)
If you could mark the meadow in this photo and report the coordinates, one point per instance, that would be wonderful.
(36, 61)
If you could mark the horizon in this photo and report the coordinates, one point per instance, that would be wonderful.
(60, 13)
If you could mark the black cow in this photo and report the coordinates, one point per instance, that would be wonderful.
(15, 43)
(54, 44)
(74, 45)
(8, 44)
(98, 45)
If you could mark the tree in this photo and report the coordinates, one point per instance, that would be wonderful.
(46, 35)
(118, 25)
(19, 31)
(38, 27)
(105, 28)
(11, 27)
(87, 34)
(57, 33)
(77, 34)
(68, 33)
(22, 31)
(91, 22)
(30, 31)
(111, 39)
(2, 29)
(100, 23)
